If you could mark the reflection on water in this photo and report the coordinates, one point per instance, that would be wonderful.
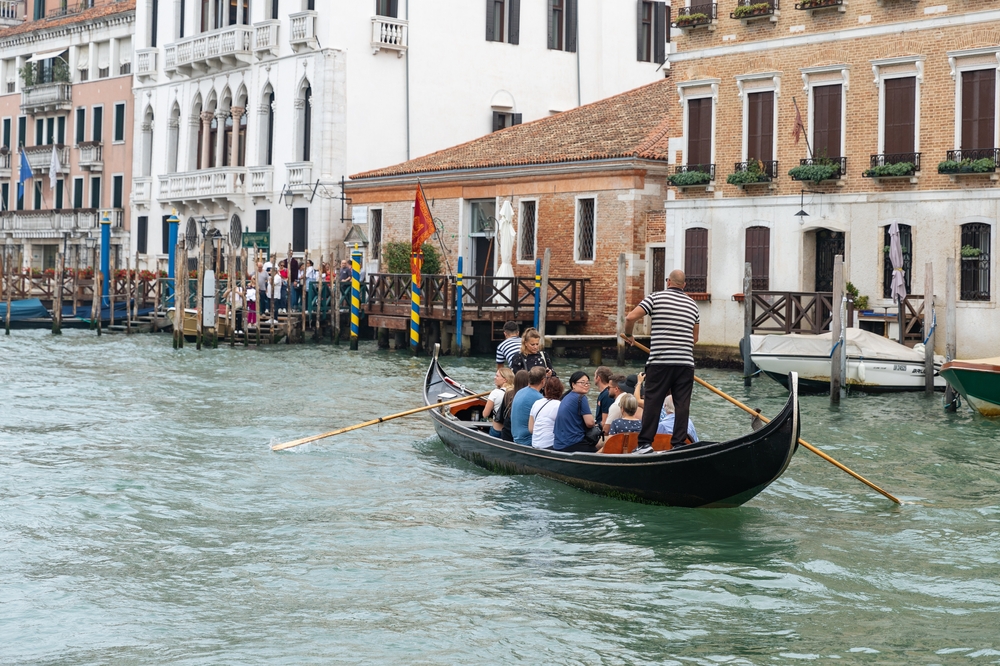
(146, 520)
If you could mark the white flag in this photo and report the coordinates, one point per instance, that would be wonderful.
(54, 168)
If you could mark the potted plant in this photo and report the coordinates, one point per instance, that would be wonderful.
(984, 165)
(899, 169)
(860, 302)
(690, 178)
(756, 9)
(816, 172)
(687, 20)
(27, 72)
(754, 173)
(970, 252)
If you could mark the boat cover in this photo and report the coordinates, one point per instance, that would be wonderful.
(860, 344)
(29, 308)
(980, 361)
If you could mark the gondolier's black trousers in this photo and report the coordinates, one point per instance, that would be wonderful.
(661, 381)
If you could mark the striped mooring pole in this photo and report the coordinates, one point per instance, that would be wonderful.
(458, 307)
(538, 287)
(355, 296)
(415, 312)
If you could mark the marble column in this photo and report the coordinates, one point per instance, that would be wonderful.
(220, 138)
(206, 139)
(234, 155)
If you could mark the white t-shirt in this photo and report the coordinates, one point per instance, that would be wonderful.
(545, 412)
(497, 397)
(251, 294)
(615, 410)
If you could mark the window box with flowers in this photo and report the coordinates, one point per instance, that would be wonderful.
(819, 5)
(972, 163)
(748, 10)
(753, 172)
(696, 16)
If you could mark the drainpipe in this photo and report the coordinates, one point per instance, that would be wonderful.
(579, 91)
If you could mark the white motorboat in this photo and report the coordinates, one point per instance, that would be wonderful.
(874, 363)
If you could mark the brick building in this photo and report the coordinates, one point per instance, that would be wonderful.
(588, 184)
(898, 101)
(65, 85)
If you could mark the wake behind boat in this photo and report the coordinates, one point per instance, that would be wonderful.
(706, 474)
(874, 364)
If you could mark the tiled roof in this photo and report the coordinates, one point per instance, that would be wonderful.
(86, 15)
(632, 124)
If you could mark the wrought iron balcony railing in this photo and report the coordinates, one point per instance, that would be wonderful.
(696, 15)
(768, 170)
(751, 9)
(970, 161)
(835, 168)
(700, 168)
(893, 165)
(812, 5)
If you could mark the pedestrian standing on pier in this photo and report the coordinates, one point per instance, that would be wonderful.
(251, 303)
(345, 281)
(670, 368)
(510, 345)
(312, 281)
(294, 284)
(264, 287)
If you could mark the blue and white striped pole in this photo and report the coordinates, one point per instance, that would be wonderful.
(458, 307)
(355, 296)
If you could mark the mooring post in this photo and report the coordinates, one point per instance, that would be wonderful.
(538, 287)
(4, 290)
(355, 296)
(177, 294)
(543, 297)
(836, 337)
(929, 327)
(951, 333)
(60, 278)
(458, 307)
(747, 322)
(620, 319)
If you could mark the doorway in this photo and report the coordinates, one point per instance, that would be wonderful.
(828, 245)
(482, 230)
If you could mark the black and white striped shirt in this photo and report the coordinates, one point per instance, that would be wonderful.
(674, 316)
(507, 349)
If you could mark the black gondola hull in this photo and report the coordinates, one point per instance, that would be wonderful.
(708, 474)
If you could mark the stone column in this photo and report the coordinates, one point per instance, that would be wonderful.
(173, 136)
(234, 155)
(220, 138)
(147, 149)
(206, 139)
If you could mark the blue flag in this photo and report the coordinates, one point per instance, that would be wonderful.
(24, 175)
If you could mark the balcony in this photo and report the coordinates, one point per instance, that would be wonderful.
(753, 10)
(975, 162)
(819, 5)
(207, 185)
(302, 31)
(11, 13)
(389, 34)
(46, 98)
(265, 38)
(261, 181)
(5, 165)
(53, 223)
(820, 169)
(753, 172)
(211, 51)
(694, 176)
(299, 177)
(142, 191)
(145, 63)
(40, 158)
(697, 16)
(91, 155)
(891, 166)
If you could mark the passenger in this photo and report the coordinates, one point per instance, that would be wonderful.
(504, 381)
(574, 418)
(520, 382)
(524, 400)
(628, 422)
(251, 303)
(602, 378)
(542, 421)
(511, 344)
(531, 354)
(616, 389)
(666, 425)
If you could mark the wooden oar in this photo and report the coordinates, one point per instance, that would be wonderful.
(803, 442)
(381, 419)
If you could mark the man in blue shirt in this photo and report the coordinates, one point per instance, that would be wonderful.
(520, 410)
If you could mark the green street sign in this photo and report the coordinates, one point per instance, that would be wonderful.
(262, 239)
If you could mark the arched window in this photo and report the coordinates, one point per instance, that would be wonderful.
(213, 135)
(270, 130)
(975, 260)
(227, 141)
(695, 260)
(906, 245)
(307, 125)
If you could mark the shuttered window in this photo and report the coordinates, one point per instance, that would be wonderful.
(826, 121)
(760, 126)
(900, 115)
(695, 260)
(978, 113)
(503, 18)
(651, 31)
(699, 144)
(562, 25)
(758, 254)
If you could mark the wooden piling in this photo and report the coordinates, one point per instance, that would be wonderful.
(6, 288)
(60, 281)
(99, 300)
(543, 296)
(128, 295)
(200, 302)
(950, 330)
(929, 328)
(288, 296)
(335, 303)
(111, 295)
(747, 322)
(836, 378)
(305, 292)
(95, 295)
(620, 321)
(156, 295)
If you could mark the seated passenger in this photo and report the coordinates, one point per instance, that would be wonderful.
(574, 419)
(666, 426)
(531, 354)
(542, 421)
(520, 412)
(520, 382)
(628, 422)
(504, 381)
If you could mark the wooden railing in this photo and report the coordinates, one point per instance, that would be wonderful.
(794, 312)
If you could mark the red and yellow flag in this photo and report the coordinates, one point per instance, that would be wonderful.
(423, 229)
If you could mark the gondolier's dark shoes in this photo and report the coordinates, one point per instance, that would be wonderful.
(643, 450)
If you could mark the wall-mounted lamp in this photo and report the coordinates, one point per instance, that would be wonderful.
(802, 214)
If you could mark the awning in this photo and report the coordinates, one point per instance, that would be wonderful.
(38, 57)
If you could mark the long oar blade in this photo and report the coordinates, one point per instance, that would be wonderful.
(803, 442)
(381, 419)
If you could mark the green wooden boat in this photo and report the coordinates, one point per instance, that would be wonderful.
(978, 381)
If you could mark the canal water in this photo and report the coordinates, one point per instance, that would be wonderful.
(145, 520)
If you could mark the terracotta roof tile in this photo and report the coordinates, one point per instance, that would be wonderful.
(86, 15)
(632, 124)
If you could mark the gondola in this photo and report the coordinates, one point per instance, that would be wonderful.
(706, 474)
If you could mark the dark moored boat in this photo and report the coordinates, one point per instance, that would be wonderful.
(707, 474)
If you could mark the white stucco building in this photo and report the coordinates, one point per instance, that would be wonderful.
(256, 109)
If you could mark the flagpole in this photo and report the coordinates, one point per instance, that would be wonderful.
(798, 122)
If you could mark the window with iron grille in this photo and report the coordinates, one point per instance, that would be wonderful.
(758, 253)
(11, 86)
(586, 229)
(125, 68)
(103, 72)
(975, 260)
(375, 233)
(526, 249)
(695, 260)
(906, 245)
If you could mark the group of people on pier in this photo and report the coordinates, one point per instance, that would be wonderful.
(532, 406)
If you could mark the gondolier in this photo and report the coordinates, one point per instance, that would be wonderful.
(670, 369)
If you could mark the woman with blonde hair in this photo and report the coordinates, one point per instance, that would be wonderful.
(504, 381)
(531, 354)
